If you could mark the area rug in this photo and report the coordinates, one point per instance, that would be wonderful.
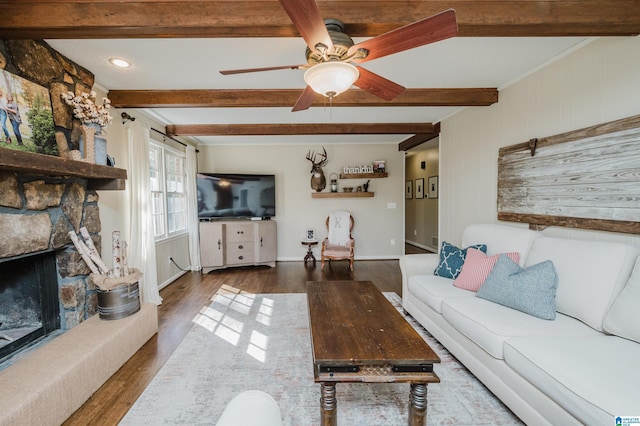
(261, 341)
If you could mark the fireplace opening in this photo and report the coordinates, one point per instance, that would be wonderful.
(29, 307)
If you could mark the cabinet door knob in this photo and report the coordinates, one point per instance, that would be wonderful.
(240, 257)
(240, 247)
(219, 244)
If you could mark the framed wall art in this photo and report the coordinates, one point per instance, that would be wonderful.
(311, 234)
(408, 192)
(420, 188)
(433, 187)
(26, 116)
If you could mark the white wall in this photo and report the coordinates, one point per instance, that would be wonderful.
(375, 224)
(595, 84)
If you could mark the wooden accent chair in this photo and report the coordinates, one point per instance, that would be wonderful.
(339, 243)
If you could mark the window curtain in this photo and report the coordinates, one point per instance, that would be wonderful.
(142, 246)
(192, 209)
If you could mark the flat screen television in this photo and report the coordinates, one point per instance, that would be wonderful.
(236, 195)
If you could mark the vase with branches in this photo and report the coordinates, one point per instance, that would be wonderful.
(94, 118)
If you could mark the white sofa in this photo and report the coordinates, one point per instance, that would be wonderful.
(583, 367)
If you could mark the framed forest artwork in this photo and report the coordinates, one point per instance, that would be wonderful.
(26, 117)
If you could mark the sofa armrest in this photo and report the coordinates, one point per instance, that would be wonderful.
(417, 264)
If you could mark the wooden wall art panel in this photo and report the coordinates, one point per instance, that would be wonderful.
(588, 178)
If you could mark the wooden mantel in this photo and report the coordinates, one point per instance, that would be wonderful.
(99, 177)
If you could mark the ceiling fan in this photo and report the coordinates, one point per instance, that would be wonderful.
(332, 55)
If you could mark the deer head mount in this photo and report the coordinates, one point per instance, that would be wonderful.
(318, 181)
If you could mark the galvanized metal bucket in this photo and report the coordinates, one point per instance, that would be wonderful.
(119, 302)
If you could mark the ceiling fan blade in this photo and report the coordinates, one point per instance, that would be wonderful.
(305, 100)
(378, 85)
(246, 70)
(306, 16)
(429, 30)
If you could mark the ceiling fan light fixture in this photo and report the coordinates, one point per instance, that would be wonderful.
(331, 78)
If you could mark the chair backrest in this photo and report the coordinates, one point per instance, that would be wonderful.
(351, 223)
(336, 226)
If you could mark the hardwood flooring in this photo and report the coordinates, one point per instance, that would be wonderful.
(184, 298)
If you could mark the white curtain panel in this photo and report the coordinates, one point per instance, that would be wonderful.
(142, 247)
(192, 209)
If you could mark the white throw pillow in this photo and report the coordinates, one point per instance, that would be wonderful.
(622, 319)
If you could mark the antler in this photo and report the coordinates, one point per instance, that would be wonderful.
(324, 158)
(311, 156)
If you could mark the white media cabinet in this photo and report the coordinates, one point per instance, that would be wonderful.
(227, 243)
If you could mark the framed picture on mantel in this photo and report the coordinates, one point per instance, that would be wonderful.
(26, 117)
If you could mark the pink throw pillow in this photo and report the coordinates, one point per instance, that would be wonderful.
(477, 267)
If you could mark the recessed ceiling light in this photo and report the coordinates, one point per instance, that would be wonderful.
(120, 62)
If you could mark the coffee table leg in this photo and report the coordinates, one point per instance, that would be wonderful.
(418, 404)
(328, 404)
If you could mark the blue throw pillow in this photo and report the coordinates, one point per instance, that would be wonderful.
(531, 290)
(452, 259)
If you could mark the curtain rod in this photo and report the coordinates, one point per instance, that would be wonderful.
(167, 136)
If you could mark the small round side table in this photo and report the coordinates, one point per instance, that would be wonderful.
(310, 256)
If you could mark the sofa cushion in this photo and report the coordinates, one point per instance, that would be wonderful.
(531, 290)
(452, 259)
(501, 239)
(477, 267)
(594, 378)
(622, 319)
(432, 290)
(489, 325)
(590, 274)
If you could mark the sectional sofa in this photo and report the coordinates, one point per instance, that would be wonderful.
(582, 367)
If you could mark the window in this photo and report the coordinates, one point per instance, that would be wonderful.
(168, 196)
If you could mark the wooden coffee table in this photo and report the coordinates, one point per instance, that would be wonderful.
(358, 336)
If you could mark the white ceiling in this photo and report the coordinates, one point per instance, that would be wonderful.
(164, 64)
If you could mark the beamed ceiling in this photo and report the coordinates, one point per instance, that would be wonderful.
(178, 47)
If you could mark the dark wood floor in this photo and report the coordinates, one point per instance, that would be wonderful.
(187, 295)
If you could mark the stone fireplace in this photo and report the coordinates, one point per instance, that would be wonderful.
(43, 197)
(36, 215)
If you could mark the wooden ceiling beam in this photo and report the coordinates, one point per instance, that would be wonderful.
(419, 139)
(297, 129)
(225, 18)
(248, 98)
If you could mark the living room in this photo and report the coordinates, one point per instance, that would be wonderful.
(593, 84)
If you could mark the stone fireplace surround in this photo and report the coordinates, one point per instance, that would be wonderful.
(36, 215)
(37, 210)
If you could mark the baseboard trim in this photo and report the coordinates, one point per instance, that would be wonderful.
(172, 279)
(422, 246)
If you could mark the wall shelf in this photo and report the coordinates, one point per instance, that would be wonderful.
(363, 175)
(99, 177)
(341, 194)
